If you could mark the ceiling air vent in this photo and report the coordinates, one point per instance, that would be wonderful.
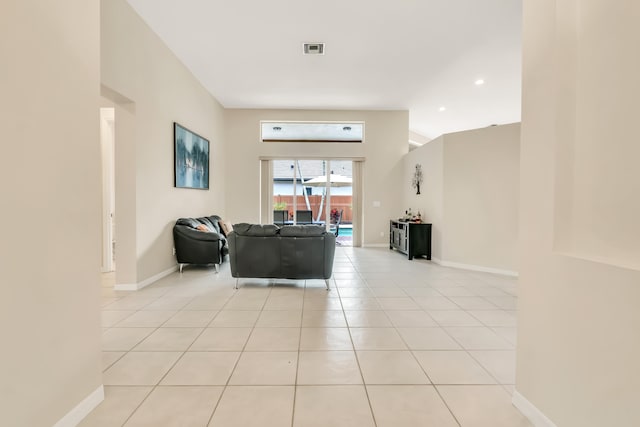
(313, 48)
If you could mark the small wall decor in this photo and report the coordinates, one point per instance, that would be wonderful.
(191, 153)
(417, 178)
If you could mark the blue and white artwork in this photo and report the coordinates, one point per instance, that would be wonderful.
(192, 159)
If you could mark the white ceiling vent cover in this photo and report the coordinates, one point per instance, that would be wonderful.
(313, 48)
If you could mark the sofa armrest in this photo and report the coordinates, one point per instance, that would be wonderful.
(329, 253)
(233, 258)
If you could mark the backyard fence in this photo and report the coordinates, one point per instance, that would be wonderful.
(340, 203)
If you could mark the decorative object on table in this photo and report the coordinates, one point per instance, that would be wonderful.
(417, 178)
(191, 153)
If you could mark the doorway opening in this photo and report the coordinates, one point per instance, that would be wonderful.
(107, 140)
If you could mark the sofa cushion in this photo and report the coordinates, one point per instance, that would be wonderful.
(211, 222)
(203, 227)
(189, 222)
(225, 226)
(261, 230)
(302, 230)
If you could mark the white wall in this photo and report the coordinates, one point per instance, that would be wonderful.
(430, 200)
(481, 196)
(138, 66)
(470, 195)
(603, 189)
(50, 185)
(386, 134)
(126, 194)
(578, 320)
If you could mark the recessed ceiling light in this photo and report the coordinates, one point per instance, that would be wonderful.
(479, 82)
(442, 108)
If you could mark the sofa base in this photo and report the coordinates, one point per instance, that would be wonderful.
(326, 282)
(217, 266)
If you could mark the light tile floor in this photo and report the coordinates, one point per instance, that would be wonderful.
(393, 343)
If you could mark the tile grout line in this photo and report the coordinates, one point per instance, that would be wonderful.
(226, 385)
(434, 386)
(355, 353)
(376, 297)
(429, 378)
(295, 380)
(422, 367)
(468, 351)
(154, 387)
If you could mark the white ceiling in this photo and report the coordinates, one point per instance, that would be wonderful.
(417, 55)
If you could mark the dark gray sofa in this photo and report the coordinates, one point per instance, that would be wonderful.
(199, 247)
(290, 252)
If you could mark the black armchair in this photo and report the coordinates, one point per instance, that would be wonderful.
(199, 241)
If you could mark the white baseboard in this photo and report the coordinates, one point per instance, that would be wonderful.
(125, 287)
(537, 418)
(456, 264)
(475, 267)
(146, 282)
(82, 409)
(157, 277)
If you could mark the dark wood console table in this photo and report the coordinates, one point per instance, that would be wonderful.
(410, 238)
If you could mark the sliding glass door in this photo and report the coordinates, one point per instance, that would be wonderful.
(313, 192)
(341, 201)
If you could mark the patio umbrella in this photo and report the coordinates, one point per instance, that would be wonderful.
(334, 181)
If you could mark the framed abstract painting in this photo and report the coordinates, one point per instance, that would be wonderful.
(191, 153)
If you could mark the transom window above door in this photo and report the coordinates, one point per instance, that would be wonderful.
(272, 131)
